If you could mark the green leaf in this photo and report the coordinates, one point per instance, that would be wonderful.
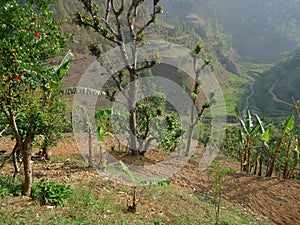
(266, 135)
(161, 182)
(249, 122)
(289, 124)
(127, 170)
(241, 139)
(82, 90)
(102, 113)
(273, 147)
(101, 133)
(262, 129)
(64, 65)
(243, 126)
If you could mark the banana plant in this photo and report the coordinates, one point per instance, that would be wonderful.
(287, 129)
(161, 182)
(297, 139)
(264, 138)
(247, 135)
(60, 71)
(101, 117)
(51, 89)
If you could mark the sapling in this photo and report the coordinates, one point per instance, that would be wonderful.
(217, 178)
(132, 208)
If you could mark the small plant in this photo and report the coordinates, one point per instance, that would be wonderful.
(49, 192)
(133, 206)
(9, 186)
(216, 176)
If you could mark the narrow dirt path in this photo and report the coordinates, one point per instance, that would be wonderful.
(271, 92)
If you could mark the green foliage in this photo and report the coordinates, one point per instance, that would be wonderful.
(151, 118)
(160, 182)
(289, 124)
(197, 51)
(9, 186)
(49, 192)
(263, 148)
(128, 172)
(217, 177)
(29, 37)
(29, 86)
(172, 132)
(104, 120)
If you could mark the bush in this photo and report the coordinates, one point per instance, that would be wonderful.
(49, 192)
(172, 132)
(9, 186)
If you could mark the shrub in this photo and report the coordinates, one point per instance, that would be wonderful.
(10, 186)
(49, 192)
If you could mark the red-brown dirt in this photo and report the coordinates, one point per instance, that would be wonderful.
(274, 198)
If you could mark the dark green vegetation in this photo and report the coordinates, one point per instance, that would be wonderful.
(50, 192)
(263, 149)
(30, 104)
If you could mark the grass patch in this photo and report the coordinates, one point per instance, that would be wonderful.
(73, 161)
(237, 88)
(256, 68)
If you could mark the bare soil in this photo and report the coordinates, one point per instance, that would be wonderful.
(273, 198)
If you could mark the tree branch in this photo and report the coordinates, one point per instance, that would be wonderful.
(147, 65)
(95, 26)
(156, 10)
(108, 8)
(148, 143)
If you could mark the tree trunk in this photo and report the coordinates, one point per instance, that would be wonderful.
(16, 154)
(133, 135)
(286, 165)
(189, 139)
(255, 167)
(90, 157)
(45, 153)
(193, 121)
(271, 168)
(24, 145)
(296, 160)
(261, 159)
(248, 158)
(132, 117)
(26, 156)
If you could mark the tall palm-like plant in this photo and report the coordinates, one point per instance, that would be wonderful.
(286, 131)
(247, 135)
(264, 138)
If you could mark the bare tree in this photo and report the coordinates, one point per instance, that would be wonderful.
(118, 25)
(194, 118)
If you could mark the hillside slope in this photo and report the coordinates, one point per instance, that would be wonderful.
(275, 87)
(260, 29)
